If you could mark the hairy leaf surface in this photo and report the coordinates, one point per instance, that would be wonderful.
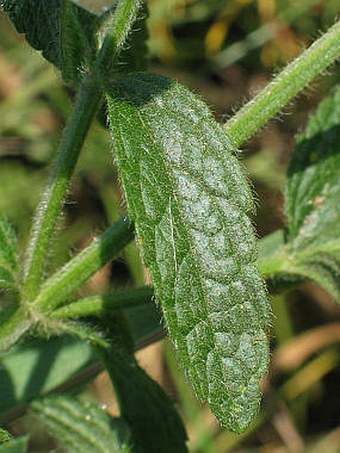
(312, 198)
(8, 255)
(189, 199)
(64, 32)
(81, 426)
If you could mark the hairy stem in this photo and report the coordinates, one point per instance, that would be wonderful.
(84, 265)
(99, 304)
(296, 76)
(52, 200)
(70, 146)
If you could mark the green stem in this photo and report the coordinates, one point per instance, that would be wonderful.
(52, 200)
(13, 324)
(99, 304)
(85, 107)
(83, 266)
(296, 76)
(83, 331)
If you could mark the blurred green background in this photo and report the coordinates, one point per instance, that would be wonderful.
(225, 50)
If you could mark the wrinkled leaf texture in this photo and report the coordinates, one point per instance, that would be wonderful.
(189, 200)
(81, 426)
(313, 198)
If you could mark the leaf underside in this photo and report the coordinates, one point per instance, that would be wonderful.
(82, 426)
(65, 33)
(312, 198)
(189, 200)
(40, 21)
(152, 419)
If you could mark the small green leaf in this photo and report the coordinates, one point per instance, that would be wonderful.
(322, 266)
(188, 198)
(154, 422)
(78, 41)
(274, 263)
(40, 21)
(33, 370)
(81, 426)
(312, 198)
(18, 445)
(69, 36)
(8, 255)
(65, 33)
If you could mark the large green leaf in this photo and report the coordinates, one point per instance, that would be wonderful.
(313, 198)
(188, 198)
(8, 255)
(81, 426)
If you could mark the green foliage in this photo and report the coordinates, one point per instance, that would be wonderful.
(154, 423)
(4, 436)
(8, 256)
(18, 445)
(98, 7)
(78, 41)
(188, 199)
(312, 198)
(35, 369)
(190, 204)
(40, 21)
(65, 33)
(81, 425)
